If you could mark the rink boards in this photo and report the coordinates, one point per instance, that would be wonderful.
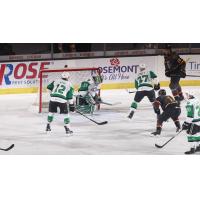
(118, 73)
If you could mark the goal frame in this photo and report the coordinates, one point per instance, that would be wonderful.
(60, 70)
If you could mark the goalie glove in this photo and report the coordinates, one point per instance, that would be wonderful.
(157, 86)
(97, 99)
(72, 107)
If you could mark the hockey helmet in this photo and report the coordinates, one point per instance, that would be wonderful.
(65, 75)
(97, 78)
(142, 67)
(162, 92)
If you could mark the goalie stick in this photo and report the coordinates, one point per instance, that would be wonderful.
(7, 149)
(98, 123)
(110, 104)
(161, 146)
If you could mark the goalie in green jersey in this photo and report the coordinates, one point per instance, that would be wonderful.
(192, 124)
(61, 94)
(88, 94)
(146, 83)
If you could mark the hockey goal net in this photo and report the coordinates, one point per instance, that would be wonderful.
(77, 75)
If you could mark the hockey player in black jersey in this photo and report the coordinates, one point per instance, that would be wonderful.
(170, 110)
(175, 69)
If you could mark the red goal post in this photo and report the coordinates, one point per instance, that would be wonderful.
(77, 75)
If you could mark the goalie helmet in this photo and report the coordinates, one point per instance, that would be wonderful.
(142, 67)
(162, 92)
(65, 75)
(97, 78)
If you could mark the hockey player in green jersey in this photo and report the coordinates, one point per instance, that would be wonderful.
(61, 94)
(192, 124)
(145, 83)
(88, 97)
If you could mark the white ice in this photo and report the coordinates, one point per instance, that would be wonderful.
(24, 127)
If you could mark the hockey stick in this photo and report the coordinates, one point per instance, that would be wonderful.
(7, 149)
(110, 104)
(193, 75)
(161, 146)
(99, 123)
(130, 92)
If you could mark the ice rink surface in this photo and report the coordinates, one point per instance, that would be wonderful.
(25, 127)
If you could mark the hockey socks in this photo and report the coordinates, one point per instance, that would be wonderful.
(50, 117)
(132, 110)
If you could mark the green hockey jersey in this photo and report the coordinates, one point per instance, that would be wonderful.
(193, 109)
(84, 86)
(145, 79)
(61, 90)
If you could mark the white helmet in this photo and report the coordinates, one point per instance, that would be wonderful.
(65, 75)
(142, 67)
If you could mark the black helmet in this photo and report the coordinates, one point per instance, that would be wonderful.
(162, 92)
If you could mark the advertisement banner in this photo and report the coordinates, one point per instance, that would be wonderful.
(117, 72)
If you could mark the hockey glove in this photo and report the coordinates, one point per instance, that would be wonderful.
(186, 126)
(157, 86)
(157, 111)
(167, 73)
(182, 74)
(193, 129)
(97, 99)
(72, 107)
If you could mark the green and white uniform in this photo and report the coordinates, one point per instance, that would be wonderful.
(89, 87)
(193, 117)
(61, 94)
(145, 81)
(61, 91)
(87, 95)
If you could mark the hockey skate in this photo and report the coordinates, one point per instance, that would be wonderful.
(131, 114)
(197, 149)
(178, 126)
(157, 132)
(68, 131)
(178, 129)
(191, 151)
(48, 128)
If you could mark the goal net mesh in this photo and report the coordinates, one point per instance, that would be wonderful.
(47, 76)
